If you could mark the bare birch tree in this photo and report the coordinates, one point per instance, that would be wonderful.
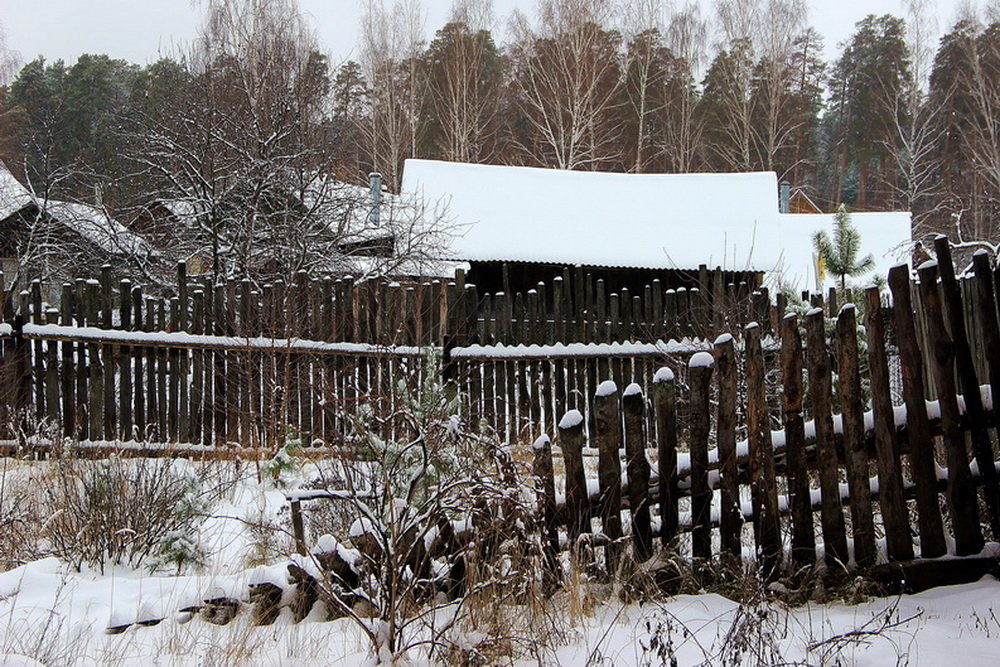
(391, 45)
(463, 78)
(566, 78)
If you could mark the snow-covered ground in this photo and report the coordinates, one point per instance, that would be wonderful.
(55, 615)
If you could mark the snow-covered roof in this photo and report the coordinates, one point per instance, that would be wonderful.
(13, 195)
(885, 235)
(95, 225)
(659, 221)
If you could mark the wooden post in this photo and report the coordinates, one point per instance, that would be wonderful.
(975, 418)
(666, 445)
(799, 501)
(918, 431)
(577, 499)
(855, 451)
(730, 514)
(634, 407)
(834, 532)
(961, 489)
(545, 490)
(608, 426)
(763, 482)
(68, 380)
(700, 377)
(987, 309)
(891, 501)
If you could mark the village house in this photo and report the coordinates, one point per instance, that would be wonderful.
(54, 241)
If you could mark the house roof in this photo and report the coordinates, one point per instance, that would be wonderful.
(657, 221)
(90, 222)
(95, 225)
(13, 195)
(885, 235)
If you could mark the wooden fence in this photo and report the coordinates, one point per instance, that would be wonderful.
(727, 479)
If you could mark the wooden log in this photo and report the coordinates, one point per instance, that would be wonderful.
(763, 480)
(637, 467)
(855, 452)
(832, 517)
(608, 429)
(545, 491)
(700, 376)
(961, 491)
(921, 445)
(799, 501)
(730, 512)
(577, 498)
(664, 397)
(891, 501)
(975, 417)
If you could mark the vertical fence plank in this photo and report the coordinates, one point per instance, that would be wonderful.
(990, 329)
(921, 444)
(700, 378)
(890, 481)
(961, 489)
(730, 513)
(975, 418)
(855, 449)
(577, 498)
(834, 533)
(545, 490)
(763, 482)
(634, 407)
(608, 426)
(799, 501)
(67, 380)
(666, 447)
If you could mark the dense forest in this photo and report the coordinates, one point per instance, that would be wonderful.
(254, 108)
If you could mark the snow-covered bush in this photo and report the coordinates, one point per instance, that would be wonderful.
(117, 511)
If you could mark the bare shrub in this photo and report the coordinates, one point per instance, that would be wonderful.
(117, 511)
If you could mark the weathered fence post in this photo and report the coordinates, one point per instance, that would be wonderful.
(799, 501)
(666, 447)
(545, 490)
(961, 489)
(608, 427)
(918, 430)
(974, 418)
(855, 451)
(987, 307)
(634, 407)
(834, 532)
(577, 499)
(731, 513)
(763, 482)
(700, 376)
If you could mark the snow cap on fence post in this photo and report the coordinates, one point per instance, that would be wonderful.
(701, 359)
(606, 388)
(663, 374)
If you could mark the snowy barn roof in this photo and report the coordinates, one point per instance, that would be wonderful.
(657, 221)
(885, 235)
(13, 195)
(95, 225)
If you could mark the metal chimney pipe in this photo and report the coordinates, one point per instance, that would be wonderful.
(784, 197)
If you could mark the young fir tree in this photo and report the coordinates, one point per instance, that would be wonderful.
(840, 256)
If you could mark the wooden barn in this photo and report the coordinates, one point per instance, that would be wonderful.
(56, 240)
(517, 226)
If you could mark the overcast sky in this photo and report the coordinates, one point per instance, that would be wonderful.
(141, 30)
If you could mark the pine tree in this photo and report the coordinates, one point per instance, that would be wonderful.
(840, 256)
